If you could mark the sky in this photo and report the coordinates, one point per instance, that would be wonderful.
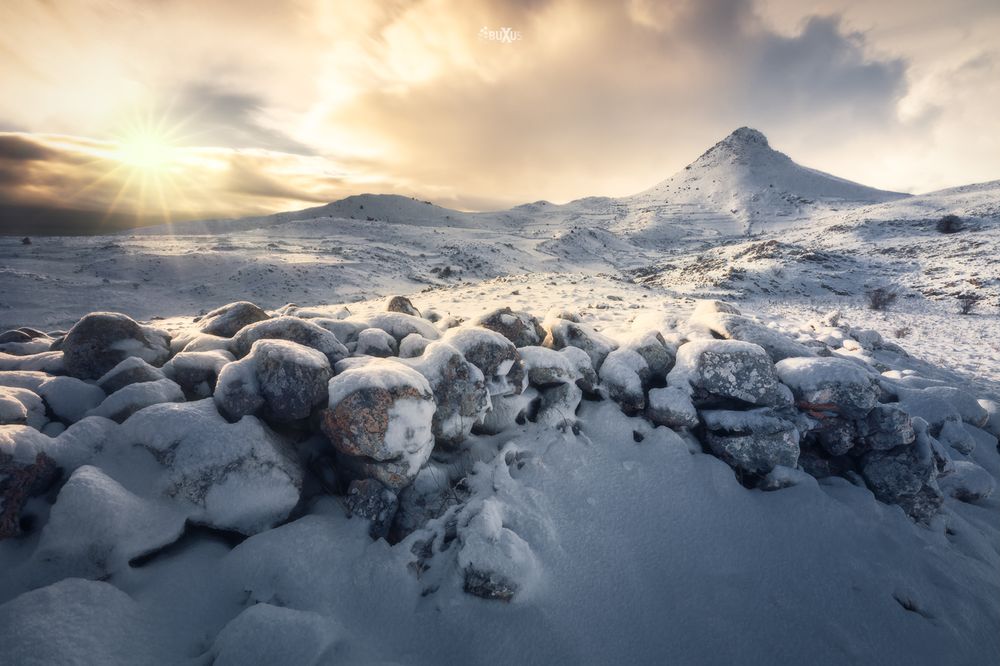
(142, 110)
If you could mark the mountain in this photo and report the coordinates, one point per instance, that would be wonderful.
(741, 183)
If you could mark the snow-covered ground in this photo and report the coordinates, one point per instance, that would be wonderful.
(629, 543)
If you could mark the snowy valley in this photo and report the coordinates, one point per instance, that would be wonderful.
(663, 428)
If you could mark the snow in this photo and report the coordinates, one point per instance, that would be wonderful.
(70, 399)
(264, 634)
(384, 374)
(125, 402)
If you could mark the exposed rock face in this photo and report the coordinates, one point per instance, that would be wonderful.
(563, 333)
(459, 390)
(907, 476)
(402, 304)
(293, 329)
(102, 340)
(726, 370)
(830, 384)
(886, 427)
(754, 441)
(521, 328)
(285, 379)
(380, 420)
(369, 499)
(230, 319)
(494, 355)
(22, 474)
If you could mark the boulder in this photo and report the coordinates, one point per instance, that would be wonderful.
(886, 427)
(754, 441)
(69, 399)
(735, 327)
(495, 356)
(369, 499)
(379, 418)
(720, 371)
(376, 342)
(459, 391)
(286, 379)
(905, 475)
(125, 402)
(102, 340)
(657, 352)
(671, 407)
(830, 384)
(412, 345)
(402, 304)
(625, 375)
(230, 319)
(197, 372)
(967, 482)
(292, 329)
(51, 362)
(521, 328)
(400, 325)
(25, 470)
(561, 333)
(132, 370)
(20, 406)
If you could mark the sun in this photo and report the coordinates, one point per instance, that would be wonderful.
(146, 149)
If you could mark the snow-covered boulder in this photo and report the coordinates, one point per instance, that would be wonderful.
(102, 340)
(285, 379)
(346, 330)
(26, 469)
(412, 345)
(671, 407)
(521, 328)
(726, 370)
(379, 418)
(376, 342)
(69, 399)
(230, 476)
(557, 378)
(886, 427)
(495, 355)
(964, 403)
(992, 410)
(132, 370)
(657, 352)
(197, 372)
(20, 406)
(369, 499)
(736, 327)
(496, 562)
(293, 329)
(52, 362)
(459, 391)
(754, 441)
(625, 375)
(125, 402)
(97, 526)
(400, 325)
(967, 482)
(905, 475)
(830, 385)
(230, 319)
(707, 307)
(402, 304)
(562, 333)
(266, 634)
(26, 379)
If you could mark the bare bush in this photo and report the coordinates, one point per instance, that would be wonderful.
(881, 298)
(949, 224)
(967, 303)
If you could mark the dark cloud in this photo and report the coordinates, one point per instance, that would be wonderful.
(248, 175)
(21, 148)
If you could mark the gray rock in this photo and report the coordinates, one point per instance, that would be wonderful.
(293, 329)
(125, 402)
(369, 499)
(905, 476)
(521, 328)
(197, 372)
(376, 342)
(735, 327)
(886, 427)
(132, 370)
(561, 333)
(671, 407)
(830, 385)
(69, 398)
(754, 441)
(495, 356)
(728, 370)
(102, 340)
(402, 304)
(230, 319)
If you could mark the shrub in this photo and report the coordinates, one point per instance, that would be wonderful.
(949, 224)
(967, 303)
(880, 298)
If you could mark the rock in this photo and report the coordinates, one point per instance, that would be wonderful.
(521, 328)
(886, 427)
(380, 419)
(369, 499)
(286, 379)
(125, 402)
(25, 470)
(735, 327)
(20, 406)
(754, 441)
(69, 399)
(459, 390)
(51, 362)
(506, 411)
(708, 307)
(269, 634)
(563, 333)
(834, 435)
(132, 370)
(671, 407)
(97, 526)
(14, 336)
(495, 561)
(230, 319)
(658, 354)
(402, 304)
(494, 355)
(413, 345)
(346, 330)
(197, 372)
(624, 375)
(102, 340)
(376, 342)
(830, 384)
(293, 329)
(230, 476)
(967, 482)
(580, 360)
(557, 405)
(929, 405)
(726, 370)
(905, 475)
(26, 379)
(400, 325)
